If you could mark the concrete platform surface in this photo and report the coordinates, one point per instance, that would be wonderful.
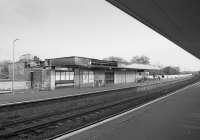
(173, 117)
(33, 95)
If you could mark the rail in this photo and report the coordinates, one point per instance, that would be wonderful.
(23, 119)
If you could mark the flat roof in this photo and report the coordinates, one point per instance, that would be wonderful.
(140, 67)
(97, 63)
(80, 57)
(76, 61)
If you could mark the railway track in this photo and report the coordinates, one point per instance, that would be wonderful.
(46, 126)
(50, 126)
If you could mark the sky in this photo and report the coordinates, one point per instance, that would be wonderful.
(88, 28)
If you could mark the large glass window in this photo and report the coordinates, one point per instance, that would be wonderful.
(57, 76)
(71, 75)
(64, 75)
(91, 76)
(67, 75)
(85, 77)
(88, 76)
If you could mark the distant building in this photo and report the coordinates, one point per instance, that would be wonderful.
(1, 68)
(22, 71)
(1, 74)
(24, 68)
(4, 70)
(87, 72)
(26, 58)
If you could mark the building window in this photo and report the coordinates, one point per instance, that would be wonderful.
(91, 76)
(71, 75)
(88, 76)
(85, 77)
(67, 75)
(64, 75)
(57, 76)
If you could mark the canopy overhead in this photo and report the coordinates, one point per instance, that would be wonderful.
(177, 20)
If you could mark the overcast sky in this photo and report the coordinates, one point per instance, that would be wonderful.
(89, 28)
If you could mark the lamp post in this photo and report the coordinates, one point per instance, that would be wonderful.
(13, 68)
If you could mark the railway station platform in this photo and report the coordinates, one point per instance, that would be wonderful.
(34, 95)
(173, 117)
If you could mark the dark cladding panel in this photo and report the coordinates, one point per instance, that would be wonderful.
(64, 61)
(81, 61)
(76, 61)
(96, 62)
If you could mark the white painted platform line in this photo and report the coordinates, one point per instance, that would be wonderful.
(64, 137)
(3, 92)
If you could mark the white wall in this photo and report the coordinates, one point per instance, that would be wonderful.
(130, 76)
(119, 77)
(170, 76)
(17, 85)
(178, 76)
(124, 77)
(52, 80)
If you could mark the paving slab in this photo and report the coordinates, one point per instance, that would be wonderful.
(173, 117)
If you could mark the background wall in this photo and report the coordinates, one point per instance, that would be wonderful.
(17, 85)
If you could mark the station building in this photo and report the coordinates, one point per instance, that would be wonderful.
(84, 72)
(77, 72)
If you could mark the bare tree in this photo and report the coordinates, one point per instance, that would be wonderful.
(140, 60)
(171, 70)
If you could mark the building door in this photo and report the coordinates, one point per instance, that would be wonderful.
(109, 77)
(31, 78)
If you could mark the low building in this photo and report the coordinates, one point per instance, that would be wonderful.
(22, 71)
(78, 72)
(87, 72)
